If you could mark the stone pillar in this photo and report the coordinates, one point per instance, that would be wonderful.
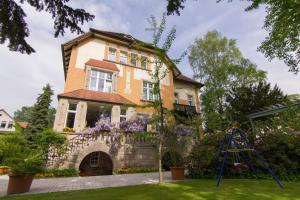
(80, 119)
(115, 114)
(131, 113)
(60, 116)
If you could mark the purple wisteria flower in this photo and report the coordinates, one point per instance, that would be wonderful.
(137, 125)
(182, 131)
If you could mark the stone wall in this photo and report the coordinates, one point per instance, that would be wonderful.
(132, 153)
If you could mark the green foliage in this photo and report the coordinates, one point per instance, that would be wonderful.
(50, 138)
(203, 189)
(40, 115)
(18, 156)
(24, 114)
(245, 99)
(202, 157)
(55, 172)
(219, 64)
(13, 26)
(132, 170)
(281, 22)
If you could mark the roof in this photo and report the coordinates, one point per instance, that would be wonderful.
(269, 110)
(102, 64)
(7, 113)
(188, 80)
(83, 94)
(126, 39)
(23, 124)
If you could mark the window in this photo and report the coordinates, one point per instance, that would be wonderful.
(123, 57)
(148, 91)
(10, 124)
(144, 62)
(133, 59)
(94, 159)
(123, 116)
(71, 115)
(112, 54)
(176, 98)
(3, 124)
(100, 81)
(190, 100)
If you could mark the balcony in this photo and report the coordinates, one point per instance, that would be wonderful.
(185, 109)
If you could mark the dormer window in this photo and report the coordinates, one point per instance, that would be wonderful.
(133, 59)
(112, 54)
(100, 81)
(123, 57)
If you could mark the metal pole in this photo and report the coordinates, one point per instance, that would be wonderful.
(225, 156)
(218, 156)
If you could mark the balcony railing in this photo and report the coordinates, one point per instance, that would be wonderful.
(186, 109)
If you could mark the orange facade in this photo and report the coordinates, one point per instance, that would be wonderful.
(76, 77)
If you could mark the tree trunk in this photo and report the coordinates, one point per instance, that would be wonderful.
(160, 136)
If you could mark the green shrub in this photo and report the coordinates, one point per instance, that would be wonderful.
(132, 170)
(55, 172)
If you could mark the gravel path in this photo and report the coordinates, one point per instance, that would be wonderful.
(82, 183)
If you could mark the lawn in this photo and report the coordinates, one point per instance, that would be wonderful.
(192, 190)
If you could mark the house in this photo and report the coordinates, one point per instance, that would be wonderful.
(105, 75)
(6, 122)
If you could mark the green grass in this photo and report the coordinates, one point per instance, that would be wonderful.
(192, 190)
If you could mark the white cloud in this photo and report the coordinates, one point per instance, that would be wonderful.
(23, 76)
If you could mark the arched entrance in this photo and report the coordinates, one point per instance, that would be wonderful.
(95, 164)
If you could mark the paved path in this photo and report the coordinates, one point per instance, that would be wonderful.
(81, 183)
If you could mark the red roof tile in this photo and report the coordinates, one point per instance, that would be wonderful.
(23, 124)
(96, 96)
(102, 64)
(187, 79)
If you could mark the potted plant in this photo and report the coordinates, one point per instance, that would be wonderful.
(22, 161)
(176, 140)
(23, 169)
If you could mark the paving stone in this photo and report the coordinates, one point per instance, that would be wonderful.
(82, 183)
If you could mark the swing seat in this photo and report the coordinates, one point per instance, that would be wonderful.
(240, 165)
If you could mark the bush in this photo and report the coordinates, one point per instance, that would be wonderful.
(16, 154)
(280, 150)
(48, 173)
(132, 170)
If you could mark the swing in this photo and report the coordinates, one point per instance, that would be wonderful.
(235, 142)
(238, 164)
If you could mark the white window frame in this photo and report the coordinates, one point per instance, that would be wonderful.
(190, 99)
(10, 124)
(123, 116)
(71, 111)
(3, 122)
(148, 91)
(126, 58)
(112, 57)
(144, 58)
(136, 59)
(106, 79)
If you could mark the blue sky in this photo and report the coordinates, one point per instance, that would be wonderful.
(23, 76)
